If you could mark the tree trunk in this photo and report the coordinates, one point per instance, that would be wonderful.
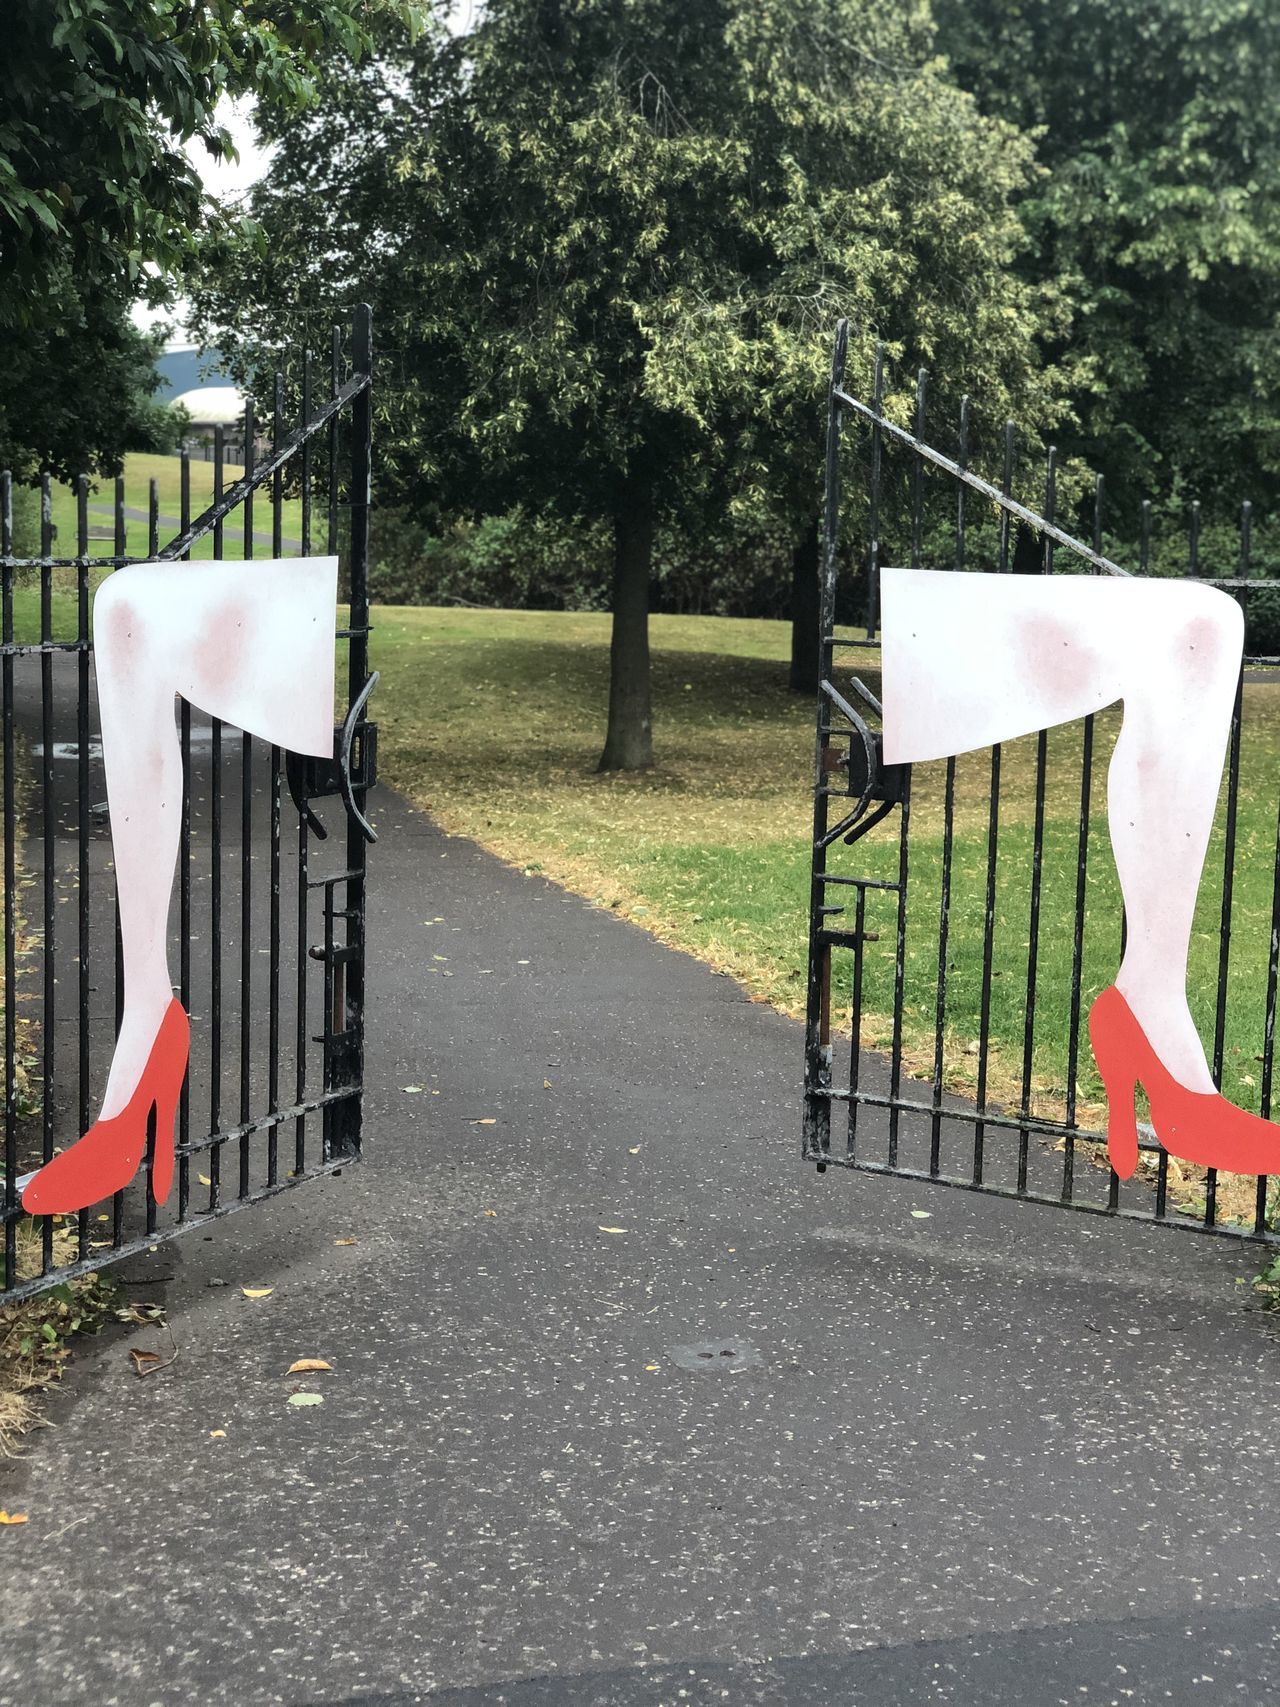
(628, 745)
(805, 605)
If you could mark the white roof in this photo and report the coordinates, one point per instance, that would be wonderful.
(212, 405)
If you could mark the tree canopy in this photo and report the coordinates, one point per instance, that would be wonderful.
(608, 245)
(99, 202)
(1155, 231)
(76, 397)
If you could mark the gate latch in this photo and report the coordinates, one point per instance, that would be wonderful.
(354, 765)
(870, 777)
(867, 778)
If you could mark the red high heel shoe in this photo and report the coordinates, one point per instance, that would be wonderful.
(107, 1157)
(1196, 1126)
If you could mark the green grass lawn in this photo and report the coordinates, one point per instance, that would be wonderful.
(139, 471)
(494, 720)
(64, 607)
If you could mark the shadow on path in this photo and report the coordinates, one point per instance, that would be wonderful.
(1231, 1656)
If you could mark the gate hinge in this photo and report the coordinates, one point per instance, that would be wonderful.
(354, 765)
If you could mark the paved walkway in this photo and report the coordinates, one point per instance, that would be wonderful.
(997, 1455)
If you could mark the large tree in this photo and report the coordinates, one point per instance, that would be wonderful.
(99, 201)
(1155, 232)
(609, 244)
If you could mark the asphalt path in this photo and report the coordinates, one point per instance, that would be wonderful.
(988, 1453)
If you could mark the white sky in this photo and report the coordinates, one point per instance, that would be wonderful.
(229, 182)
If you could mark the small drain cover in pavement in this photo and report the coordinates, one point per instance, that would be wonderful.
(720, 1356)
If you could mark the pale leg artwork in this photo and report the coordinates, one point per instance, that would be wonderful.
(253, 645)
(970, 660)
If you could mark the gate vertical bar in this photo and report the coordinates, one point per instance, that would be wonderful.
(873, 520)
(301, 944)
(940, 1000)
(184, 875)
(82, 822)
(350, 1064)
(10, 899)
(215, 886)
(273, 941)
(817, 1104)
(48, 1016)
(1037, 872)
(246, 854)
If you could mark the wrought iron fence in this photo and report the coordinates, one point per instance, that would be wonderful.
(964, 913)
(268, 925)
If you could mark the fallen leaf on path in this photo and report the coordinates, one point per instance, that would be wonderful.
(613, 1229)
(140, 1314)
(546, 1084)
(488, 1121)
(217, 1434)
(491, 1212)
(257, 1291)
(411, 1090)
(304, 1365)
(144, 1360)
(634, 1152)
(13, 1517)
(650, 1366)
(922, 1214)
(344, 1241)
(306, 1398)
(204, 1179)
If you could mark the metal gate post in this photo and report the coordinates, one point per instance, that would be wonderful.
(345, 1015)
(817, 1104)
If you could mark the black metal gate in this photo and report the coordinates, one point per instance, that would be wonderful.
(964, 913)
(268, 925)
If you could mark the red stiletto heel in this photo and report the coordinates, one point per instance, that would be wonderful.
(1197, 1126)
(1119, 1080)
(111, 1151)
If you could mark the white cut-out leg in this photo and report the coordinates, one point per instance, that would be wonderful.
(250, 643)
(974, 659)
